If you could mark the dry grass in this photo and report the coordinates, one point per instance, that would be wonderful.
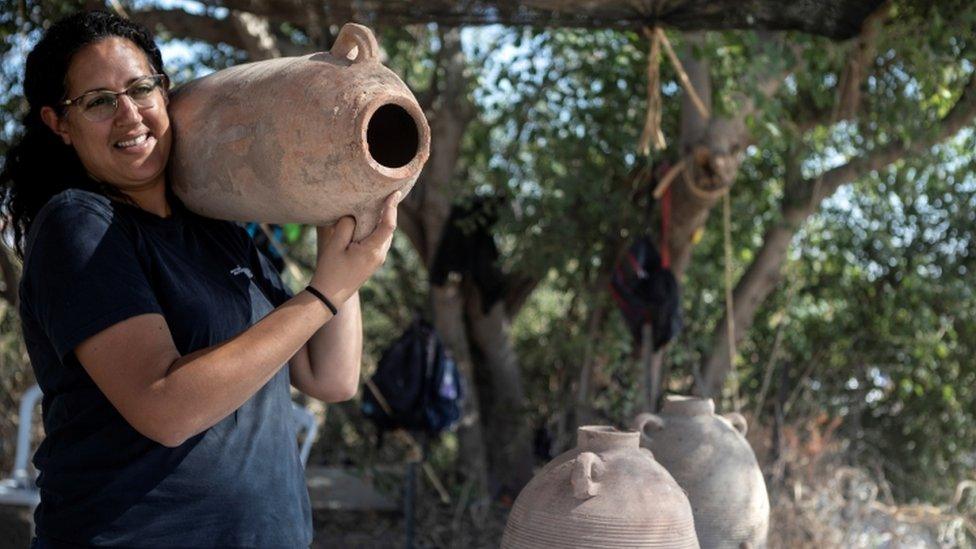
(818, 501)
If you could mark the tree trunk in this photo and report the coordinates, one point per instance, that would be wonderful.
(447, 307)
(509, 434)
(494, 436)
(711, 148)
(425, 212)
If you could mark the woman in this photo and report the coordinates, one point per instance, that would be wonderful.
(158, 336)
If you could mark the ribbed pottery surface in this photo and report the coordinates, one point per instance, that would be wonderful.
(713, 462)
(538, 529)
(605, 493)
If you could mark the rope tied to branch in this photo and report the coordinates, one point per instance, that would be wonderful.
(652, 122)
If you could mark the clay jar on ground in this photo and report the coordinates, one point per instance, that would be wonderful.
(299, 139)
(710, 458)
(605, 493)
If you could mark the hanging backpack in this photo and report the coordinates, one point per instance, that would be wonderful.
(646, 292)
(418, 384)
(645, 289)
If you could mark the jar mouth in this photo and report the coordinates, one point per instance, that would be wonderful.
(687, 405)
(395, 137)
(596, 438)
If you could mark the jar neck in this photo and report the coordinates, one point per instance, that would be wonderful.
(688, 406)
(598, 438)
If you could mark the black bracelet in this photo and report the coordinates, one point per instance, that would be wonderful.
(324, 299)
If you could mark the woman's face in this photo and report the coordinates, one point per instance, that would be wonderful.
(130, 149)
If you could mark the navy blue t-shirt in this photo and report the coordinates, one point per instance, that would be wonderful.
(92, 262)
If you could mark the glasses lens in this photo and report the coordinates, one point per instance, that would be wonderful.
(100, 106)
(142, 91)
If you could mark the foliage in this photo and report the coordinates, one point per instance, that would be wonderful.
(880, 326)
(878, 312)
(888, 279)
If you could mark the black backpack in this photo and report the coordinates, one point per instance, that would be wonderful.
(418, 383)
(647, 292)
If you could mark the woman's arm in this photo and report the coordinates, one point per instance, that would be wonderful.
(327, 367)
(170, 398)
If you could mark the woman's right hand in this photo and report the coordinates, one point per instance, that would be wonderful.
(342, 266)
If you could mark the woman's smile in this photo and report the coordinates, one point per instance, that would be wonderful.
(136, 144)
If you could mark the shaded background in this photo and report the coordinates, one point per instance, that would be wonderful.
(842, 134)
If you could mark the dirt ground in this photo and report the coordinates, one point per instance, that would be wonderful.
(436, 525)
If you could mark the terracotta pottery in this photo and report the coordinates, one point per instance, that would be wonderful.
(711, 459)
(607, 492)
(299, 139)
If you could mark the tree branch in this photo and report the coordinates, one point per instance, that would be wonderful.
(960, 116)
(196, 27)
(759, 280)
(309, 16)
(255, 33)
(858, 62)
(290, 10)
(712, 147)
(802, 199)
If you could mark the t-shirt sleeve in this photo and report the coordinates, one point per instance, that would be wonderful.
(82, 273)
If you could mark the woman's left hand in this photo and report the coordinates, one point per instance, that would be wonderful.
(342, 265)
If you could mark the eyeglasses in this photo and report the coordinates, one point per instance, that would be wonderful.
(100, 105)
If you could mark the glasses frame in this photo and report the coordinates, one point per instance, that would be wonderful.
(159, 80)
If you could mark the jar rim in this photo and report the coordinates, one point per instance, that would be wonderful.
(595, 438)
(688, 405)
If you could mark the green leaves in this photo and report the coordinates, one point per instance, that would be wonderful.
(882, 326)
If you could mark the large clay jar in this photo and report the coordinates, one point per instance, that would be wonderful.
(299, 139)
(607, 492)
(711, 459)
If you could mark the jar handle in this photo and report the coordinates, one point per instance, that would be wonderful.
(585, 467)
(355, 37)
(647, 423)
(738, 421)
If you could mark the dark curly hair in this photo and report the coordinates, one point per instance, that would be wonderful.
(40, 165)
